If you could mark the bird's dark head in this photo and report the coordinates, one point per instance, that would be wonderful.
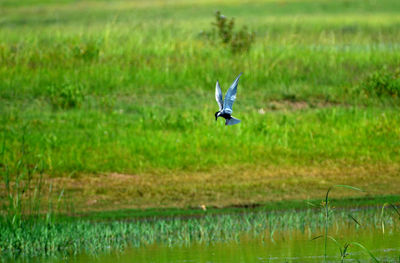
(216, 115)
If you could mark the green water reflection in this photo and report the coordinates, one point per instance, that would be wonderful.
(286, 247)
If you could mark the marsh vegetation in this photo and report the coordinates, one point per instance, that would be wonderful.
(108, 105)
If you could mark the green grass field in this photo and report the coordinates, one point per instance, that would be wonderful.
(115, 100)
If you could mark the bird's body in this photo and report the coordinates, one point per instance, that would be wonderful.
(225, 106)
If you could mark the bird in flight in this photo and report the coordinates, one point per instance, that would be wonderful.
(225, 106)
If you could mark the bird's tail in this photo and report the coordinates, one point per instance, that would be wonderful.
(232, 121)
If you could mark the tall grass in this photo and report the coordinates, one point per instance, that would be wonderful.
(328, 211)
(77, 236)
(327, 208)
(23, 197)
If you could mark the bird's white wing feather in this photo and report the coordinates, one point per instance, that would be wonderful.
(231, 96)
(218, 96)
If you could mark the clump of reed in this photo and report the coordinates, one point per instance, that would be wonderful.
(23, 197)
(327, 210)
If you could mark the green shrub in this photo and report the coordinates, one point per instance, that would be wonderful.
(66, 96)
(223, 28)
(242, 40)
(382, 83)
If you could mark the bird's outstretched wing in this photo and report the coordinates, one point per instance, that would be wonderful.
(232, 121)
(231, 96)
(218, 96)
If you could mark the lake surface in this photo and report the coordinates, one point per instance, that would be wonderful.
(291, 246)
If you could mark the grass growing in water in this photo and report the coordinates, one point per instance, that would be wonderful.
(126, 88)
(343, 249)
(70, 236)
(77, 236)
(23, 196)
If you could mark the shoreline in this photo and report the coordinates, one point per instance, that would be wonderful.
(159, 213)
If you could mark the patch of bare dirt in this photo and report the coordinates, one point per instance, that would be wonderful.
(279, 105)
(220, 187)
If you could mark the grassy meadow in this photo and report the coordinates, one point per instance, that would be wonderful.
(114, 100)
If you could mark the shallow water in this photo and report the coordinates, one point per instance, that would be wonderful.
(286, 247)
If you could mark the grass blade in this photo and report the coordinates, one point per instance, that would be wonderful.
(366, 250)
(355, 220)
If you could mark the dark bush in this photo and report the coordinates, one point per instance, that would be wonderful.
(223, 32)
(66, 96)
(382, 83)
(224, 27)
(242, 40)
